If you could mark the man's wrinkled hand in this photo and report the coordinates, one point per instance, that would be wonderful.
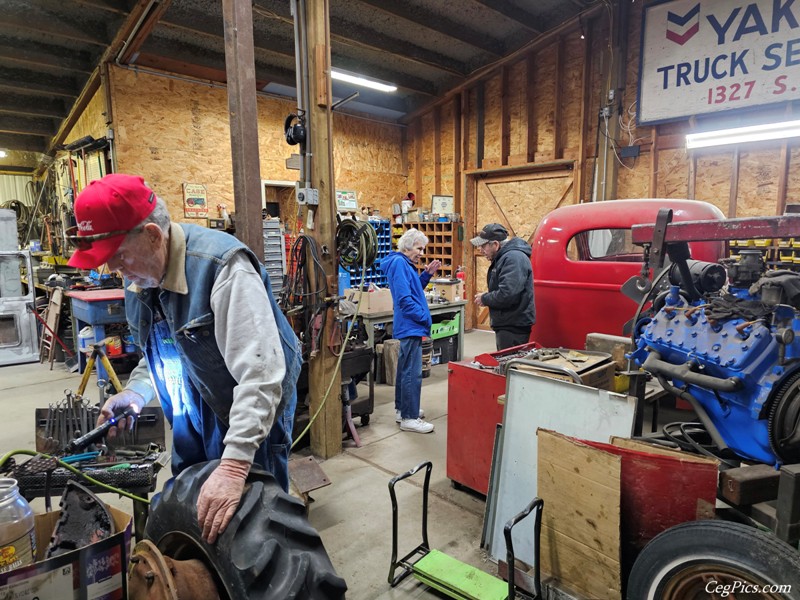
(117, 404)
(220, 496)
(479, 299)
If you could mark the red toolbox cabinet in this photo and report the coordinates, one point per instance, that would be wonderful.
(472, 417)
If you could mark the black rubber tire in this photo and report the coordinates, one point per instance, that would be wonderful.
(727, 551)
(269, 551)
(365, 420)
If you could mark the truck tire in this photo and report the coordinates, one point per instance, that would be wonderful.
(683, 561)
(269, 550)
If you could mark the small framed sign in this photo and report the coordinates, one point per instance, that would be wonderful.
(195, 201)
(346, 201)
(442, 205)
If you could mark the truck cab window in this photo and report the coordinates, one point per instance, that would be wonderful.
(609, 245)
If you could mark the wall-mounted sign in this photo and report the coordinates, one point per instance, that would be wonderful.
(346, 201)
(710, 56)
(442, 205)
(195, 201)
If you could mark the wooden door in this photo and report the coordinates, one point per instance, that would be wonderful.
(518, 202)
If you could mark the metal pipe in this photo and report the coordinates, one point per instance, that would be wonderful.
(135, 30)
(303, 102)
(336, 105)
(712, 430)
(683, 372)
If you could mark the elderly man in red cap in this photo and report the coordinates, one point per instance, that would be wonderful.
(217, 352)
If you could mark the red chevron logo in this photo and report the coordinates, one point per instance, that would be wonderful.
(682, 39)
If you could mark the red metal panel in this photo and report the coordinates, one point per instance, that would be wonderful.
(576, 297)
(472, 417)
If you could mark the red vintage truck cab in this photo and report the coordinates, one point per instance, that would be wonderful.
(582, 254)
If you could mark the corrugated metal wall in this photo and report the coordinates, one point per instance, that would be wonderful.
(12, 187)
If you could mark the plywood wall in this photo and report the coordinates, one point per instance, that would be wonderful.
(92, 120)
(535, 110)
(173, 132)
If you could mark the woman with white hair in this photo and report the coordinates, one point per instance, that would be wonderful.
(412, 321)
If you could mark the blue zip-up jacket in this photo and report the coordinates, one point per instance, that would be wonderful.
(411, 315)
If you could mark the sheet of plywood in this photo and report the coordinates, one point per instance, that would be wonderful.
(580, 541)
(534, 402)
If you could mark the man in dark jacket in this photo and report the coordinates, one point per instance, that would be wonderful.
(512, 311)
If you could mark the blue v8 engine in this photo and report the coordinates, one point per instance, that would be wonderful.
(723, 337)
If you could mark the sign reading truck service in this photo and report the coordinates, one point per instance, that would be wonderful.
(709, 56)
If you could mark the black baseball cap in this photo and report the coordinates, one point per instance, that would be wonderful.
(493, 232)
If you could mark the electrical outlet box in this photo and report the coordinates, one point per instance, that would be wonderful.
(307, 196)
(629, 152)
(605, 112)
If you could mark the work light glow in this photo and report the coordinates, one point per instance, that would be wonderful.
(358, 80)
(753, 133)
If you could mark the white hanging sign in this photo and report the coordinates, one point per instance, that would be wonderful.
(710, 56)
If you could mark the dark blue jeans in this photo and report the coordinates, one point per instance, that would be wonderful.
(408, 382)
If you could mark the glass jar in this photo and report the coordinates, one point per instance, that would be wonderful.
(17, 533)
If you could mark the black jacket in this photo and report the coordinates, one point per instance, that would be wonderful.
(510, 283)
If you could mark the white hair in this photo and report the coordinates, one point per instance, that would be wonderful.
(159, 216)
(410, 238)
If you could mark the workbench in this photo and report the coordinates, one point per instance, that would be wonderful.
(447, 308)
(96, 308)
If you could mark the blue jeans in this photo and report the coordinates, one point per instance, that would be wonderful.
(408, 382)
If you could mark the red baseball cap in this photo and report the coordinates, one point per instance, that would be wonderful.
(115, 204)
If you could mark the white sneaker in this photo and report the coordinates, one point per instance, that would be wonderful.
(398, 418)
(416, 425)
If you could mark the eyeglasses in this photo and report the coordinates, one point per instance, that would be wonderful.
(84, 242)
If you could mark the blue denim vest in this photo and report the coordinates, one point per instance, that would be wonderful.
(190, 319)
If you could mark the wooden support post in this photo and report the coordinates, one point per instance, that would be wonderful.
(654, 162)
(532, 139)
(437, 150)
(734, 193)
(480, 125)
(457, 170)
(466, 115)
(586, 77)
(418, 158)
(326, 432)
(558, 146)
(237, 16)
(505, 117)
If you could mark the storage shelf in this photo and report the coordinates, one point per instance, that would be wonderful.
(443, 244)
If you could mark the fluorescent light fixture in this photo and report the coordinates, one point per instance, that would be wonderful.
(3, 153)
(362, 81)
(754, 133)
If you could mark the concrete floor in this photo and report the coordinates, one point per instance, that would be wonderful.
(353, 514)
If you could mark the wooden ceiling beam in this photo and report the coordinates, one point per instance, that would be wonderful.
(514, 13)
(435, 22)
(46, 18)
(142, 32)
(32, 55)
(27, 126)
(34, 106)
(23, 143)
(38, 83)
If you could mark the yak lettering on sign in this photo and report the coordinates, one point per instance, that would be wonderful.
(716, 55)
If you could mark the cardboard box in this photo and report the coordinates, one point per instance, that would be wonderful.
(377, 301)
(94, 572)
(451, 290)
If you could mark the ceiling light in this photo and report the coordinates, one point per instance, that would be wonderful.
(362, 81)
(3, 153)
(753, 133)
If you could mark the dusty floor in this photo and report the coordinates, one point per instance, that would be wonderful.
(353, 514)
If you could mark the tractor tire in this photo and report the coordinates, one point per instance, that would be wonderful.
(689, 562)
(269, 550)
